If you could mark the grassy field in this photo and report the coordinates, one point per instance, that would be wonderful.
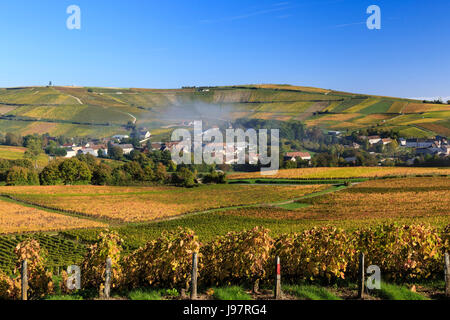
(139, 204)
(15, 153)
(343, 173)
(281, 102)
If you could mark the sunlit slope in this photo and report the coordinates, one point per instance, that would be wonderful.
(102, 111)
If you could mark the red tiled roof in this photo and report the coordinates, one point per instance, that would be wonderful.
(298, 155)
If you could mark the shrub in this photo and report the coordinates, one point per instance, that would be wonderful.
(166, 261)
(215, 177)
(19, 176)
(93, 267)
(321, 253)
(39, 280)
(9, 288)
(237, 256)
(184, 178)
(403, 252)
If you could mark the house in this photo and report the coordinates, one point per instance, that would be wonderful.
(120, 136)
(168, 146)
(334, 133)
(356, 145)
(418, 143)
(87, 151)
(156, 146)
(144, 135)
(71, 153)
(386, 141)
(97, 148)
(402, 142)
(374, 139)
(126, 148)
(292, 156)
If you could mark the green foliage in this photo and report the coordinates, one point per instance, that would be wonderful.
(215, 177)
(74, 171)
(115, 152)
(19, 176)
(310, 292)
(395, 292)
(61, 252)
(143, 295)
(69, 172)
(51, 175)
(184, 178)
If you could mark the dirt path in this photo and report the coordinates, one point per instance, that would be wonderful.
(78, 99)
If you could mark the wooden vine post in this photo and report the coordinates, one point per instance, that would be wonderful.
(361, 276)
(194, 276)
(447, 275)
(108, 278)
(24, 278)
(278, 279)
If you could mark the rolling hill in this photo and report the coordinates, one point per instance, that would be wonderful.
(79, 111)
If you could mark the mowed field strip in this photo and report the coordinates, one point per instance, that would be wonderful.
(343, 173)
(15, 218)
(139, 204)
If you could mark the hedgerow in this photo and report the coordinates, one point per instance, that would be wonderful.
(324, 254)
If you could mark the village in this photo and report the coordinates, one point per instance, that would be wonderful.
(437, 147)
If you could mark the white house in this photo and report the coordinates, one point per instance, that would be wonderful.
(419, 143)
(120, 136)
(144, 135)
(374, 139)
(127, 148)
(71, 153)
(292, 156)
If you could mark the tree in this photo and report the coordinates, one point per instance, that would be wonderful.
(74, 171)
(214, 177)
(101, 175)
(51, 174)
(115, 152)
(34, 149)
(171, 166)
(134, 170)
(160, 173)
(19, 176)
(184, 178)
(12, 140)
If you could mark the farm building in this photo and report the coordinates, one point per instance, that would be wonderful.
(292, 156)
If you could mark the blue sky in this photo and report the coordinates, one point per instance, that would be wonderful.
(169, 44)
